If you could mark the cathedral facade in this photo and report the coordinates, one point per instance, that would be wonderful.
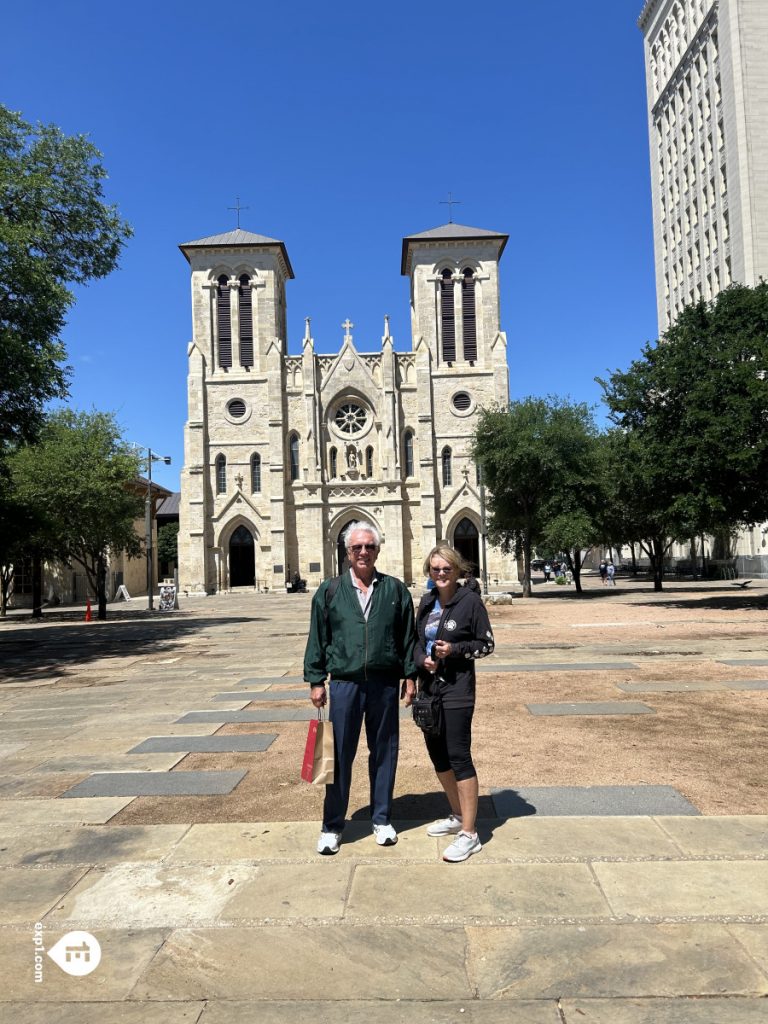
(283, 451)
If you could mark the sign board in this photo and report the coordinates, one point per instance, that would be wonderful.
(122, 593)
(167, 597)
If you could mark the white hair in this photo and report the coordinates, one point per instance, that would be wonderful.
(361, 527)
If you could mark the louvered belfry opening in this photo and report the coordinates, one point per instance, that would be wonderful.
(245, 320)
(468, 319)
(447, 317)
(224, 321)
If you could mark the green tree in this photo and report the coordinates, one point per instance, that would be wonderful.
(168, 544)
(84, 476)
(55, 230)
(691, 452)
(540, 462)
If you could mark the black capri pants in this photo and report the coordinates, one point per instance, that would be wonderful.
(451, 750)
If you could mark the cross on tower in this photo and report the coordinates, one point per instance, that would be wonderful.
(450, 202)
(347, 325)
(239, 208)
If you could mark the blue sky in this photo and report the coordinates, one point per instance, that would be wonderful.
(342, 126)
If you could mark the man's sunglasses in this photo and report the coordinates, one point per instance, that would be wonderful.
(357, 548)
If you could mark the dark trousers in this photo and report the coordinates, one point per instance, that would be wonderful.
(377, 706)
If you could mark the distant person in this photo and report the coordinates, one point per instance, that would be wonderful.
(453, 631)
(610, 572)
(603, 570)
(547, 571)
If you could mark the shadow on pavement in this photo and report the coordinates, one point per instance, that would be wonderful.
(41, 649)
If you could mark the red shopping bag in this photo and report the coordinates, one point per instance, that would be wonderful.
(317, 767)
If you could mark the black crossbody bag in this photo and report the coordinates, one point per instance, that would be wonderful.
(427, 710)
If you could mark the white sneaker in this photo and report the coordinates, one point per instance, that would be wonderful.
(385, 835)
(449, 826)
(328, 843)
(462, 847)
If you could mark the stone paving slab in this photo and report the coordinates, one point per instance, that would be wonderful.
(269, 680)
(125, 955)
(590, 801)
(657, 686)
(297, 841)
(559, 666)
(114, 763)
(26, 894)
(470, 1011)
(748, 684)
(744, 836)
(150, 895)
(488, 893)
(282, 892)
(611, 961)
(538, 838)
(365, 962)
(189, 783)
(244, 742)
(263, 695)
(593, 707)
(87, 844)
(107, 1013)
(754, 938)
(666, 1011)
(689, 889)
(742, 661)
(40, 812)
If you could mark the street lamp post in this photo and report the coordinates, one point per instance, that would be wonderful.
(151, 457)
(483, 529)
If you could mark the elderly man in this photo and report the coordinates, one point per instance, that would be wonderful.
(362, 636)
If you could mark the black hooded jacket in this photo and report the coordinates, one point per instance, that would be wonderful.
(464, 623)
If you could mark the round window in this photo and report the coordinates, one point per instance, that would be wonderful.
(350, 418)
(236, 408)
(461, 401)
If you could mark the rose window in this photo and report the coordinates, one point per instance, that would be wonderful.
(350, 418)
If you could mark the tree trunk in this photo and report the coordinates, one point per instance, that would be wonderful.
(576, 568)
(657, 562)
(101, 587)
(634, 558)
(6, 578)
(526, 566)
(37, 586)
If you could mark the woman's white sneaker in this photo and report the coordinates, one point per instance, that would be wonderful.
(462, 847)
(328, 843)
(449, 826)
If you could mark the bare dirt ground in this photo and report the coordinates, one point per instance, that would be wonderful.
(711, 746)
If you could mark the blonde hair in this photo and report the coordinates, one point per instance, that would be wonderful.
(448, 554)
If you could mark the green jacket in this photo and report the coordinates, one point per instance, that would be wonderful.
(343, 645)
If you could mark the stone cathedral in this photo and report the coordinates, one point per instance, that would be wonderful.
(283, 451)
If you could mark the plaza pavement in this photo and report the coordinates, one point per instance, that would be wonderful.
(641, 919)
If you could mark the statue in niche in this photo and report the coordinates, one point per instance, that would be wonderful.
(352, 470)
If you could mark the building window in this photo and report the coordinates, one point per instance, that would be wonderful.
(447, 319)
(369, 461)
(447, 473)
(221, 474)
(294, 448)
(23, 572)
(224, 321)
(255, 473)
(408, 453)
(334, 463)
(350, 418)
(245, 320)
(468, 320)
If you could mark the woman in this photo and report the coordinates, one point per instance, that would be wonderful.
(453, 630)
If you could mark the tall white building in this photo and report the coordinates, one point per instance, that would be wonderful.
(707, 85)
(706, 64)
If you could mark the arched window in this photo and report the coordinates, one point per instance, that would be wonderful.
(447, 474)
(221, 474)
(468, 320)
(294, 446)
(447, 319)
(245, 320)
(255, 473)
(408, 445)
(224, 321)
(334, 461)
(369, 461)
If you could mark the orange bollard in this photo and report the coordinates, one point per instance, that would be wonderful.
(88, 610)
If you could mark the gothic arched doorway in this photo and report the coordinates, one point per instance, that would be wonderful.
(466, 540)
(242, 559)
(342, 562)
